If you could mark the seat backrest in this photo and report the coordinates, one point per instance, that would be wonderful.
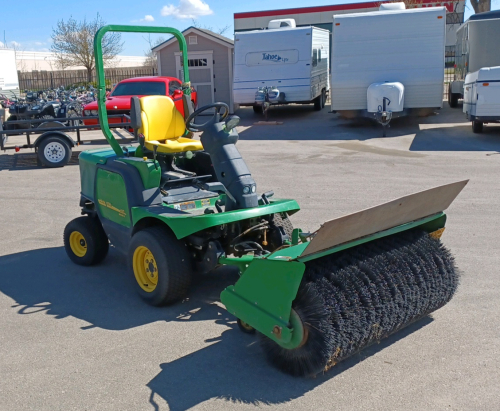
(160, 120)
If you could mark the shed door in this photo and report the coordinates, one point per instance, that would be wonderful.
(201, 74)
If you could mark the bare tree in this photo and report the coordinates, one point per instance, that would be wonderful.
(73, 44)
(151, 60)
(481, 6)
(218, 30)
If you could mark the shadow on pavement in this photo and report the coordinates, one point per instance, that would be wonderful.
(28, 161)
(233, 368)
(456, 138)
(45, 280)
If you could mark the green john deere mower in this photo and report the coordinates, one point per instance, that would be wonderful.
(176, 205)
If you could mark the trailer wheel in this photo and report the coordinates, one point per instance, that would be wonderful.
(85, 241)
(318, 102)
(257, 109)
(477, 126)
(452, 98)
(161, 266)
(54, 151)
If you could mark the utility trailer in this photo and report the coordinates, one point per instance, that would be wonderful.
(388, 63)
(482, 97)
(280, 65)
(53, 146)
(477, 47)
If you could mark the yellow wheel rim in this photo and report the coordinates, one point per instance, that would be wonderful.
(78, 244)
(145, 269)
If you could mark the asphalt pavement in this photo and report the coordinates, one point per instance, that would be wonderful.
(79, 338)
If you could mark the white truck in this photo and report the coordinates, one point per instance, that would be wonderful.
(280, 65)
(388, 63)
(477, 46)
(8, 71)
(482, 97)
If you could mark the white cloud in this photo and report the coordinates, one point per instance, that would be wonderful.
(187, 9)
(147, 17)
(15, 44)
(39, 43)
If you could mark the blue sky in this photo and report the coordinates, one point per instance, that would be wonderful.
(29, 23)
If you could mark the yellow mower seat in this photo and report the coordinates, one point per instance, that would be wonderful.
(162, 125)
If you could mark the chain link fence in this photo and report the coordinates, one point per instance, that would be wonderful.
(449, 68)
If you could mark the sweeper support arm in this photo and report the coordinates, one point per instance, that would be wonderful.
(101, 80)
(263, 295)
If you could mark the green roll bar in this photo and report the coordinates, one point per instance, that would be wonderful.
(101, 79)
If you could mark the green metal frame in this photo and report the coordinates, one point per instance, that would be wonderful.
(101, 79)
(263, 295)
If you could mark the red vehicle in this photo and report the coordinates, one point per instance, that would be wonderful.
(118, 101)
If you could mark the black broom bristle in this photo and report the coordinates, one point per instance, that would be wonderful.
(354, 298)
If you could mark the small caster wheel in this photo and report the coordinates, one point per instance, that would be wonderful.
(246, 328)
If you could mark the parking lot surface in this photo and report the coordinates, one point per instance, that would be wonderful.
(79, 338)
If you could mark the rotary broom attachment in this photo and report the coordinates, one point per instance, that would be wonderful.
(359, 296)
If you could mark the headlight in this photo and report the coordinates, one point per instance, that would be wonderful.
(254, 188)
(86, 112)
(246, 190)
(94, 112)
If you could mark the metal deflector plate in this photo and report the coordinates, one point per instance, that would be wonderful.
(384, 216)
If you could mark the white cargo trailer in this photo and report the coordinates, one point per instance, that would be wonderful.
(388, 63)
(482, 97)
(477, 47)
(8, 71)
(288, 64)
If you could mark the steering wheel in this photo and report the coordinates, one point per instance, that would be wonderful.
(215, 118)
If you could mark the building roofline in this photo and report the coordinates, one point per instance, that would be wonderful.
(319, 9)
(204, 32)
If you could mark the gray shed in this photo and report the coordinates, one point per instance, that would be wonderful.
(210, 60)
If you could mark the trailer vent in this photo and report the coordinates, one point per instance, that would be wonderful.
(281, 23)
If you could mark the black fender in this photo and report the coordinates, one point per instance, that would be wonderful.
(47, 134)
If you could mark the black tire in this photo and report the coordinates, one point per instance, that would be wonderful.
(477, 126)
(284, 222)
(317, 102)
(170, 260)
(257, 109)
(452, 98)
(54, 151)
(323, 98)
(95, 241)
(244, 327)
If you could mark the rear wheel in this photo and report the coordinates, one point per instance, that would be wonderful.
(161, 266)
(323, 98)
(54, 151)
(85, 241)
(477, 126)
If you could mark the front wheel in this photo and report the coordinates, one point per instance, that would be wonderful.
(85, 241)
(161, 266)
(54, 151)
